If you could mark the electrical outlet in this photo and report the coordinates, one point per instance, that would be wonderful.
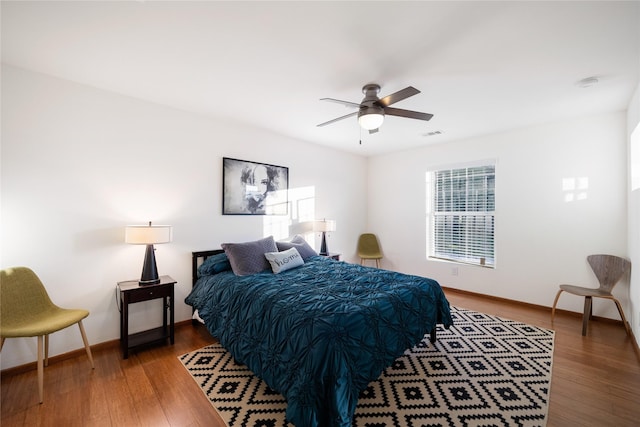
(454, 271)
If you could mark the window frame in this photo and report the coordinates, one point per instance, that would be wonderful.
(471, 244)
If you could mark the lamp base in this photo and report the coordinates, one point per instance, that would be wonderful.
(323, 248)
(149, 269)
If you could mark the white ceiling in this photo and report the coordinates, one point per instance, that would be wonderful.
(482, 67)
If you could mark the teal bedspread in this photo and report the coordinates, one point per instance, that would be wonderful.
(319, 333)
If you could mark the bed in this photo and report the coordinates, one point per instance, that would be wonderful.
(318, 333)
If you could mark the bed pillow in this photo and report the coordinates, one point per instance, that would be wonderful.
(285, 260)
(248, 257)
(300, 244)
(214, 264)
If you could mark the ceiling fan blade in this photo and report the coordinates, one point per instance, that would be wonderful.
(407, 113)
(398, 96)
(338, 101)
(339, 118)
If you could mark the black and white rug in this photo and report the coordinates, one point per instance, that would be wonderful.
(484, 371)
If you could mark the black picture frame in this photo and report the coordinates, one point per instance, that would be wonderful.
(254, 188)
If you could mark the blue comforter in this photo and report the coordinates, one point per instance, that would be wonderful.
(319, 333)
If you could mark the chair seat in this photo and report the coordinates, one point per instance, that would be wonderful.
(42, 323)
(370, 256)
(585, 292)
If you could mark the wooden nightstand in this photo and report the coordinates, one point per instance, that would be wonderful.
(131, 292)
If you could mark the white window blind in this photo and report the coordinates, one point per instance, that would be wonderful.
(462, 214)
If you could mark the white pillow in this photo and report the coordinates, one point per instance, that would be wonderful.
(285, 260)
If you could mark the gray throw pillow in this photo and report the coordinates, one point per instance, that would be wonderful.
(248, 257)
(300, 244)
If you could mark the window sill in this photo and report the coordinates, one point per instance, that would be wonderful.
(460, 262)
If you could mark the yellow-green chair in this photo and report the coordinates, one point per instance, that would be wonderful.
(369, 249)
(27, 311)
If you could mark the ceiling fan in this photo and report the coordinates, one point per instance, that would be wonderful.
(371, 110)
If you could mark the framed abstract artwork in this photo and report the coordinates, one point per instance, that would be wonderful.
(252, 188)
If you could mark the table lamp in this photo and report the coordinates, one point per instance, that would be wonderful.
(148, 235)
(324, 226)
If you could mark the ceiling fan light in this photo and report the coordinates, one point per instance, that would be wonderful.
(370, 120)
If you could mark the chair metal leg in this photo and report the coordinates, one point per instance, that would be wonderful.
(377, 263)
(40, 370)
(2, 343)
(553, 309)
(586, 315)
(86, 344)
(624, 319)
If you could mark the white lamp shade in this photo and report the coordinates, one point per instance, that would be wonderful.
(148, 234)
(325, 225)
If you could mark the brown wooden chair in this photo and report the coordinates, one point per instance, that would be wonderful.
(609, 269)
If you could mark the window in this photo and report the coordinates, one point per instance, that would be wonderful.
(461, 214)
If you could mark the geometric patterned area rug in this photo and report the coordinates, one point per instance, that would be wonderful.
(483, 371)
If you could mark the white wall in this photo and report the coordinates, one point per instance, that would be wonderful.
(72, 177)
(541, 240)
(633, 128)
(78, 164)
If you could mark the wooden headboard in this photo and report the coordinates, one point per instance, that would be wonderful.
(197, 258)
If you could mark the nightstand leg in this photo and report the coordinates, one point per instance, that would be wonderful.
(124, 329)
(165, 307)
(171, 319)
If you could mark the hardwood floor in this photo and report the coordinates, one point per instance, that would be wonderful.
(596, 379)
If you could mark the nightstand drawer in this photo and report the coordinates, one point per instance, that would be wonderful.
(142, 294)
